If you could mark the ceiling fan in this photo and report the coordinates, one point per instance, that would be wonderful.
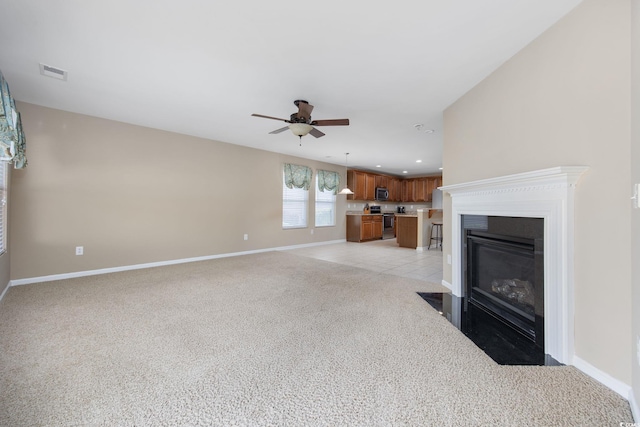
(300, 123)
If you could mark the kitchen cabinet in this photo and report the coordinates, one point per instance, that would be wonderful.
(382, 181)
(370, 187)
(407, 231)
(362, 184)
(409, 190)
(361, 228)
(395, 190)
(432, 183)
(420, 190)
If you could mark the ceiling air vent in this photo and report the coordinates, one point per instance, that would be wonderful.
(56, 73)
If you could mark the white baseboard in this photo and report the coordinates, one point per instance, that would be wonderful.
(6, 288)
(635, 411)
(447, 285)
(50, 278)
(618, 386)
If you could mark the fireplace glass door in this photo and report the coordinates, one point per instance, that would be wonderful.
(502, 279)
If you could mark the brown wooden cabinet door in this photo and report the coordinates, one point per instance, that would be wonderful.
(370, 187)
(378, 226)
(433, 183)
(356, 181)
(407, 190)
(429, 188)
(420, 190)
(394, 190)
(382, 181)
(367, 230)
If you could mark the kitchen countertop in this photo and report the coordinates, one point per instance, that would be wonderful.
(408, 214)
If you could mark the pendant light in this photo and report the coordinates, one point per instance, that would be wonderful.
(346, 190)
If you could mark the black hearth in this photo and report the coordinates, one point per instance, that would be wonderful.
(504, 274)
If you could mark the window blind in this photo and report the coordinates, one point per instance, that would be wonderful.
(295, 202)
(4, 170)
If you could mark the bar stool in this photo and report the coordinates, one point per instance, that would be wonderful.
(436, 234)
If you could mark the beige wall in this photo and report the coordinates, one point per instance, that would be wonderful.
(133, 195)
(635, 178)
(564, 100)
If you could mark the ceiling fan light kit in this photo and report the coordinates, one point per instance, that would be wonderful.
(300, 129)
(300, 123)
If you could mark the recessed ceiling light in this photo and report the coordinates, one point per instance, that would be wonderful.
(405, 172)
(418, 161)
(420, 128)
(440, 168)
(378, 166)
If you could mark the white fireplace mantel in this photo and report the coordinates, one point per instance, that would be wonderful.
(547, 194)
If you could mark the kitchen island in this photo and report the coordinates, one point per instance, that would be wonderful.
(407, 230)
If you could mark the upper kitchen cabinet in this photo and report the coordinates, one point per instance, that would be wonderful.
(412, 190)
(382, 181)
(420, 190)
(362, 184)
(407, 190)
(395, 189)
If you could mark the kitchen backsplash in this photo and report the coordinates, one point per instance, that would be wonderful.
(387, 207)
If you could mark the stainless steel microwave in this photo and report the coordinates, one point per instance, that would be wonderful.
(382, 193)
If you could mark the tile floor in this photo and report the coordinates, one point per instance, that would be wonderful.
(382, 256)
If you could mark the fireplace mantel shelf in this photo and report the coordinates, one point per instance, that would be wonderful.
(551, 177)
(561, 175)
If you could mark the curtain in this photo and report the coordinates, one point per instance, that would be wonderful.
(12, 141)
(328, 180)
(296, 176)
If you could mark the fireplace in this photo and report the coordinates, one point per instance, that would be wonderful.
(505, 275)
(546, 194)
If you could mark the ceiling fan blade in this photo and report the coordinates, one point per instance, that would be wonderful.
(315, 132)
(304, 110)
(273, 118)
(331, 122)
(279, 130)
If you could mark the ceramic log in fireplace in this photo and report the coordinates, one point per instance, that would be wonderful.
(505, 274)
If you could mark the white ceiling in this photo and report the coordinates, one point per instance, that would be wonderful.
(203, 67)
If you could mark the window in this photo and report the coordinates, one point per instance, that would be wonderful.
(295, 196)
(325, 205)
(4, 169)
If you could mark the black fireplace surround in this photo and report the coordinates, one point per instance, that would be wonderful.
(504, 271)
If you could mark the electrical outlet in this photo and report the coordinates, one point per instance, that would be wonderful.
(79, 250)
(636, 189)
(449, 259)
(246, 237)
(312, 231)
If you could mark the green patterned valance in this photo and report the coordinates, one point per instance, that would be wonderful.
(296, 176)
(328, 180)
(12, 142)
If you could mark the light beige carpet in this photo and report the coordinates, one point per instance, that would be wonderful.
(269, 339)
